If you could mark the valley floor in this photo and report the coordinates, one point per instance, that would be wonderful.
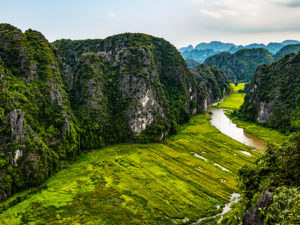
(187, 177)
(233, 102)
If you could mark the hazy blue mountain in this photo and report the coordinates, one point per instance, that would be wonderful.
(191, 63)
(199, 53)
(274, 47)
(217, 46)
(188, 48)
(290, 42)
(287, 50)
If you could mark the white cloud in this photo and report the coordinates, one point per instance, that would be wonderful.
(246, 15)
(211, 13)
(112, 14)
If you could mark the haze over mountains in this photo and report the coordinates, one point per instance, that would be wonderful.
(203, 50)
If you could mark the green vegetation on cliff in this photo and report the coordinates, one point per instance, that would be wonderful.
(277, 171)
(240, 66)
(82, 95)
(37, 126)
(176, 180)
(213, 81)
(146, 90)
(273, 98)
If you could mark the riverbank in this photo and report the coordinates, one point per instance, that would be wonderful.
(187, 177)
(233, 102)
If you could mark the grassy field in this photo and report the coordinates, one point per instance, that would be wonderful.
(179, 180)
(234, 102)
(235, 99)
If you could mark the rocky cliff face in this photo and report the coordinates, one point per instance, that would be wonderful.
(273, 97)
(36, 122)
(148, 86)
(241, 65)
(253, 217)
(213, 81)
(55, 102)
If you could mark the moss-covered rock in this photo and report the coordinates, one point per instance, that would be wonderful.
(273, 97)
(57, 101)
(149, 88)
(37, 126)
(213, 81)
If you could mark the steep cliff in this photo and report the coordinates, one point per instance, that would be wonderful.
(287, 50)
(273, 97)
(58, 101)
(37, 126)
(148, 85)
(212, 81)
(241, 65)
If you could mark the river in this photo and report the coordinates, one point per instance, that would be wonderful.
(226, 126)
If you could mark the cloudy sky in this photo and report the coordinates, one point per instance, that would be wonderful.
(181, 22)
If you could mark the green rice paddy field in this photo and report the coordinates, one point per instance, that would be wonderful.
(177, 181)
(187, 177)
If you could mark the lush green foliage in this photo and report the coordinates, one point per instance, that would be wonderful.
(241, 65)
(285, 208)
(139, 183)
(170, 83)
(84, 95)
(127, 56)
(274, 94)
(277, 170)
(213, 80)
(29, 76)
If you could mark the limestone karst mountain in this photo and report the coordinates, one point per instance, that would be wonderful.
(57, 100)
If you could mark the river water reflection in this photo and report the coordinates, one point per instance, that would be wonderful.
(226, 126)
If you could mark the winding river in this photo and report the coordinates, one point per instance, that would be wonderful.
(226, 126)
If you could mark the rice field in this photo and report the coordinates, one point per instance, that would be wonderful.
(187, 177)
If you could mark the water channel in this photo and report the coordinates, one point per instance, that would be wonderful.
(226, 126)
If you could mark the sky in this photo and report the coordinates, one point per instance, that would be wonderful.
(182, 22)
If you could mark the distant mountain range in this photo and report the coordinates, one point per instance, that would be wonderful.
(204, 50)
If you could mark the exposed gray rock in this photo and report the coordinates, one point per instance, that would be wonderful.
(16, 120)
(146, 106)
(55, 95)
(18, 154)
(264, 112)
(252, 217)
(66, 127)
